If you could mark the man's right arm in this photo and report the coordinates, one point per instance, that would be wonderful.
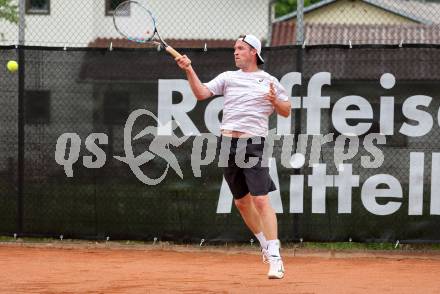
(200, 91)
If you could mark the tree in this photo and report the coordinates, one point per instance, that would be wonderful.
(8, 11)
(283, 7)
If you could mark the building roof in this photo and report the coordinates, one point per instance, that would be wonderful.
(283, 33)
(419, 11)
(177, 43)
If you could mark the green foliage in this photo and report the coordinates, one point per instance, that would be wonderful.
(8, 11)
(283, 7)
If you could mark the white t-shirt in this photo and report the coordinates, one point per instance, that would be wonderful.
(245, 107)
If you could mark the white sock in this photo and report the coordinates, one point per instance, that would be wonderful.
(262, 239)
(273, 246)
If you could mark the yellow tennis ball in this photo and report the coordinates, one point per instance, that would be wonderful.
(12, 65)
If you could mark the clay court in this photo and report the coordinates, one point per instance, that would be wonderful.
(49, 268)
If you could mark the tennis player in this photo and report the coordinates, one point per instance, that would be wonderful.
(251, 95)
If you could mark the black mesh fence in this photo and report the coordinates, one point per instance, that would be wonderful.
(83, 94)
(9, 146)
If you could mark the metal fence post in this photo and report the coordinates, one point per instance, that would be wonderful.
(271, 17)
(300, 22)
(299, 26)
(21, 81)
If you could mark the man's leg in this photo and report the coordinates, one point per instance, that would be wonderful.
(270, 226)
(249, 213)
(267, 215)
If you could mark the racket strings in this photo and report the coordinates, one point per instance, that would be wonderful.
(134, 22)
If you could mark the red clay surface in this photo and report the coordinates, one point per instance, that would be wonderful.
(46, 269)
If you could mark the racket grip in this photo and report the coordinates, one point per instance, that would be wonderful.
(173, 52)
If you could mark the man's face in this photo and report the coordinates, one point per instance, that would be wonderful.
(244, 54)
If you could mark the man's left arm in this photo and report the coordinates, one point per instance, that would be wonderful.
(283, 108)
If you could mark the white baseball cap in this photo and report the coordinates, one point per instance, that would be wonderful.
(255, 43)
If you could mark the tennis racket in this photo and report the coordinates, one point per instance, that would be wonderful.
(137, 24)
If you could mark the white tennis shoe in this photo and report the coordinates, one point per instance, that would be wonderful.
(276, 268)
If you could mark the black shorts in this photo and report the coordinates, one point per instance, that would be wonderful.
(244, 179)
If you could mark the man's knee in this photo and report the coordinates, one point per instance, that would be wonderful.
(262, 203)
(243, 203)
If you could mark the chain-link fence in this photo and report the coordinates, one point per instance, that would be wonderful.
(86, 23)
(194, 23)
